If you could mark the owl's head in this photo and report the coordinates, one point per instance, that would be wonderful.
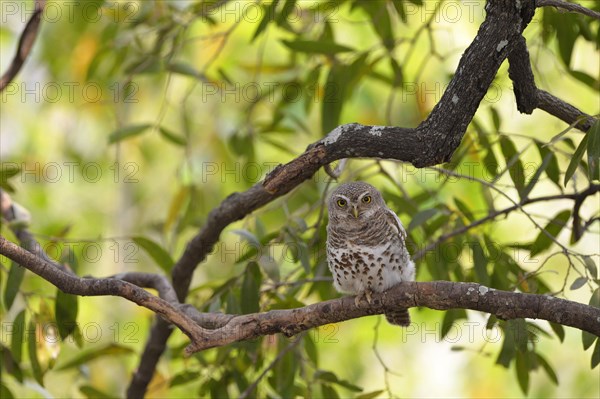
(354, 202)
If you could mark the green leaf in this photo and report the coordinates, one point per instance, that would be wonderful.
(480, 263)
(128, 132)
(5, 393)
(38, 374)
(552, 170)
(93, 393)
(495, 118)
(316, 47)
(84, 357)
(578, 283)
(250, 289)
(559, 330)
(172, 137)
(184, 69)
(449, 318)
(9, 364)
(328, 392)
(370, 395)
(590, 265)
(65, 309)
(311, 350)
(577, 156)
(596, 355)
(549, 370)
(513, 163)
(288, 8)
(464, 209)
(522, 369)
(184, 377)
(593, 151)
(328, 376)
(13, 283)
(16, 342)
(269, 15)
(333, 99)
(595, 298)
(553, 228)
(587, 339)
(421, 217)
(7, 171)
(156, 252)
(537, 174)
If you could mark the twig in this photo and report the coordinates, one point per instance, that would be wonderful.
(25, 45)
(570, 7)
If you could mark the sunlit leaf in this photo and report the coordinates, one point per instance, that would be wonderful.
(128, 132)
(156, 252)
(93, 393)
(84, 357)
(172, 137)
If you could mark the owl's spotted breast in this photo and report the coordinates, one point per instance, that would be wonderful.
(365, 244)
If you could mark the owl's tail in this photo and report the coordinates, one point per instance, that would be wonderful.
(398, 317)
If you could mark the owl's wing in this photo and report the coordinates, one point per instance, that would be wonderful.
(395, 222)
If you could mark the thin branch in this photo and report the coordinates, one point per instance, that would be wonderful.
(578, 197)
(570, 7)
(25, 45)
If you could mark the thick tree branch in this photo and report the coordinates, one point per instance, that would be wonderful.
(71, 284)
(25, 45)
(529, 97)
(571, 7)
(440, 295)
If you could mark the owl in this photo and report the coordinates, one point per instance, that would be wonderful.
(365, 245)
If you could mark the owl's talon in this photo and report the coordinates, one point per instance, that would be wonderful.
(368, 296)
(357, 299)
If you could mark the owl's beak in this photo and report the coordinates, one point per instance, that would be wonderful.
(355, 212)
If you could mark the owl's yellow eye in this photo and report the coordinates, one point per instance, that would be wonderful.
(341, 203)
(366, 199)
